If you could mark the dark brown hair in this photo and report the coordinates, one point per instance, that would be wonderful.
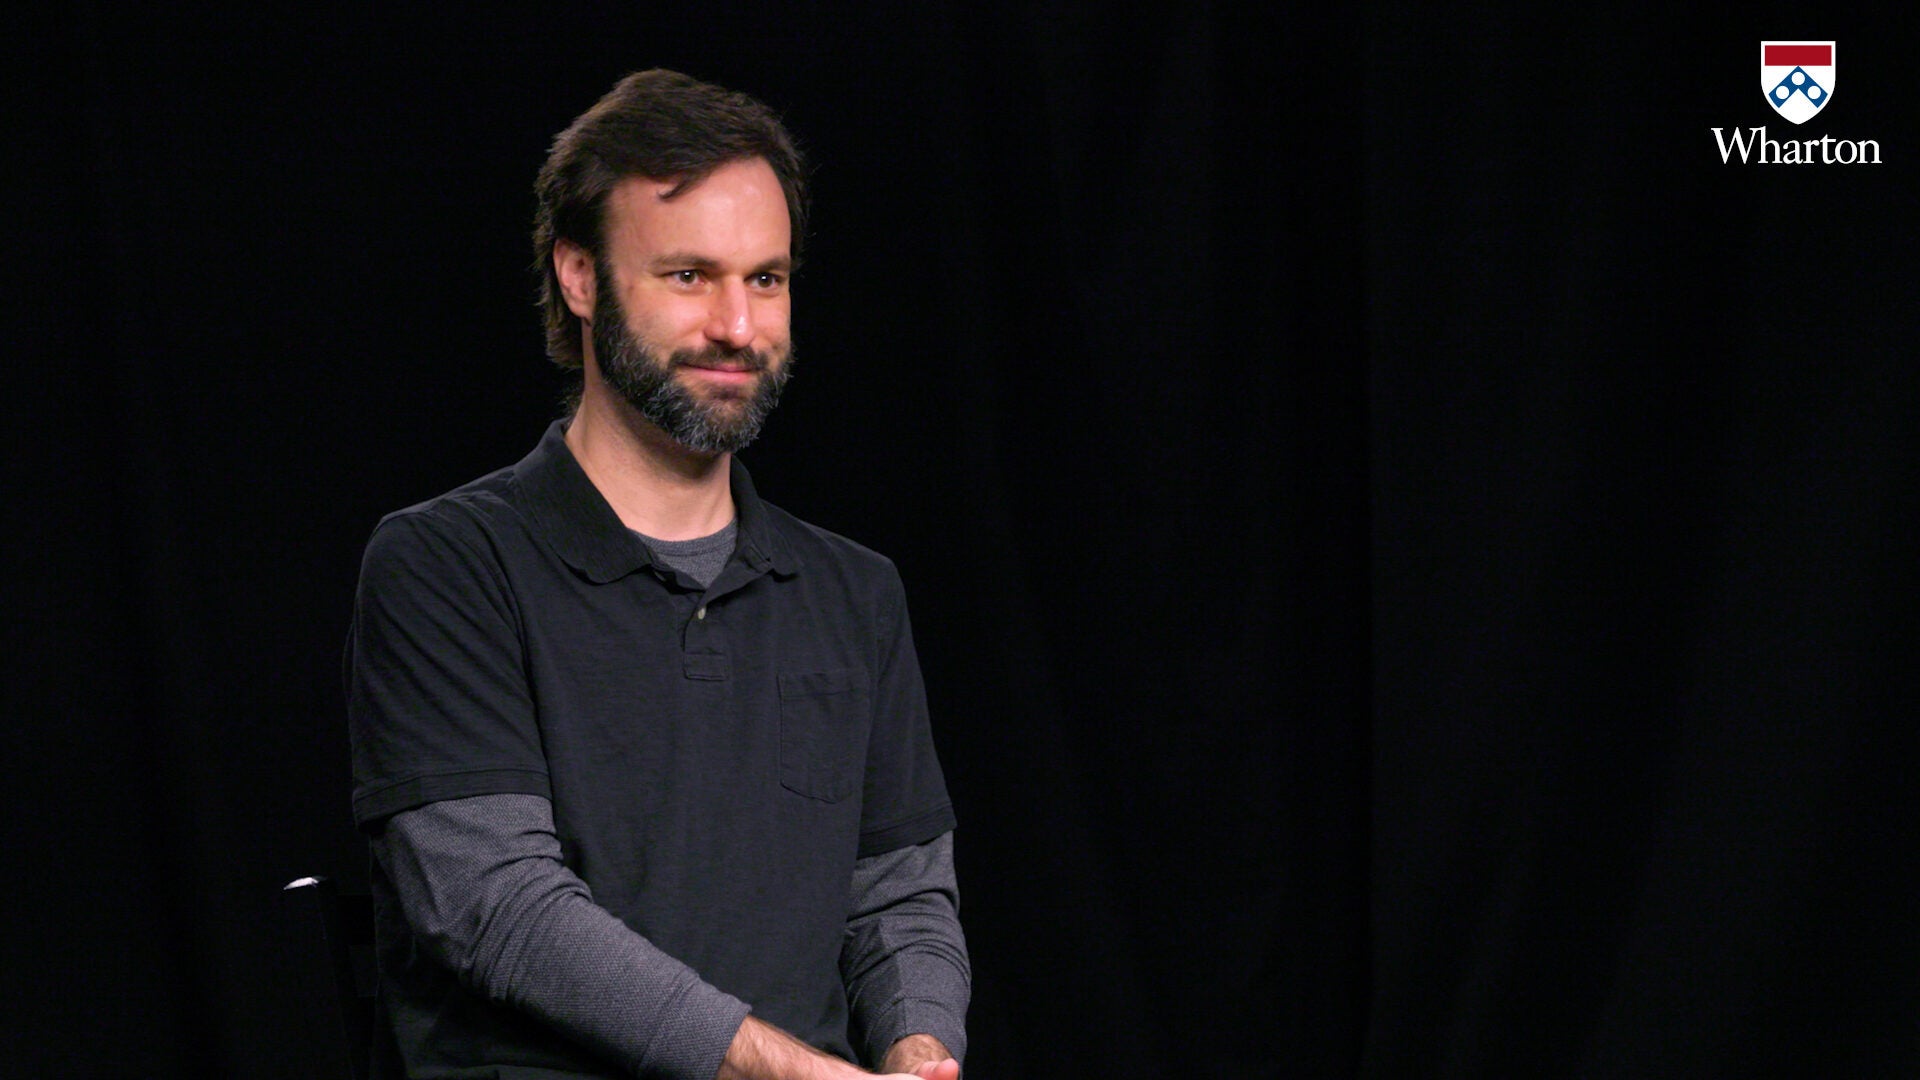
(657, 124)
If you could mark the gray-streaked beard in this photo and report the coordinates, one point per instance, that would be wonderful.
(645, 379)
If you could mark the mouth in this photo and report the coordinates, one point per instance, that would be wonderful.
(728, 379)
(726, 362)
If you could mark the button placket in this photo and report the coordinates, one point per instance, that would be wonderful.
(704, 652)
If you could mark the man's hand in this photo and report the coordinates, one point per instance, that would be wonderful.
(921, 1056)
(761, 1051)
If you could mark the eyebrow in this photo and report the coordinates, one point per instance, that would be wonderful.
(782, 264)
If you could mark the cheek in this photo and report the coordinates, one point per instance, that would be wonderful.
(775, 320)
(664, 319)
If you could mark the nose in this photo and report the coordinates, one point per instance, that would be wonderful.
(730, 318)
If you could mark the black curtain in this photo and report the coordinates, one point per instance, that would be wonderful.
(1643, 439)
(1412, 555)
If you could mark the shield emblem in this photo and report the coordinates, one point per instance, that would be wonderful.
(1797, 77)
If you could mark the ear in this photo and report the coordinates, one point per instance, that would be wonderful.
(574, 267)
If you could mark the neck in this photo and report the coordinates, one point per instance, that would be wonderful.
(658, 487)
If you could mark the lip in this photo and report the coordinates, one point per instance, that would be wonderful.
(724, 374)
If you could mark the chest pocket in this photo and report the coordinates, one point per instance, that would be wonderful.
(824, 720)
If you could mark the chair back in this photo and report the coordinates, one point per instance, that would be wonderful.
(335, 935)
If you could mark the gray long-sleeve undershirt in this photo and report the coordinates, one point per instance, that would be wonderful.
(482, 884)
(904, 961)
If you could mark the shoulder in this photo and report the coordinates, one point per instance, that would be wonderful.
(461, 525)
(849, 584)
(822, 550)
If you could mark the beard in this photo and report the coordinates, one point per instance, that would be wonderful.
(720, 422)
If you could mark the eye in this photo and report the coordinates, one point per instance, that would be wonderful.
(767, 280)
(685, 277)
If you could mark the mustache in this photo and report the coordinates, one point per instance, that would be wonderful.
(722, 358)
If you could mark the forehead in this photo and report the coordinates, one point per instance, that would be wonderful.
(736, 212)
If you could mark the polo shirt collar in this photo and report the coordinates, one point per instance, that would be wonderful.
(583, 527)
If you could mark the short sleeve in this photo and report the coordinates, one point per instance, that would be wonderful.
(437, 699)
(905, 798)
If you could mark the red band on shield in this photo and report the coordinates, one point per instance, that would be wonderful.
(1799, 55)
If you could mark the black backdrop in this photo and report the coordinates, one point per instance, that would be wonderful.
(1413, 557)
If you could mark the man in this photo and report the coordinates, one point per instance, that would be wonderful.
(645, 761)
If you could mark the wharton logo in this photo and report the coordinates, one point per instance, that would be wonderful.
(1753, 145)
(1797, 77)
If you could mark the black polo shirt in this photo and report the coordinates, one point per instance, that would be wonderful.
(716, 758)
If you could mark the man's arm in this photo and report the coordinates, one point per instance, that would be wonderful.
(904, 959)
(481, 882)
(763, 1052)
(924, 1057)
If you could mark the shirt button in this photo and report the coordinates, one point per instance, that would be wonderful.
(701, 613)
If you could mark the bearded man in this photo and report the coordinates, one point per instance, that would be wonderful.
(645, 761)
